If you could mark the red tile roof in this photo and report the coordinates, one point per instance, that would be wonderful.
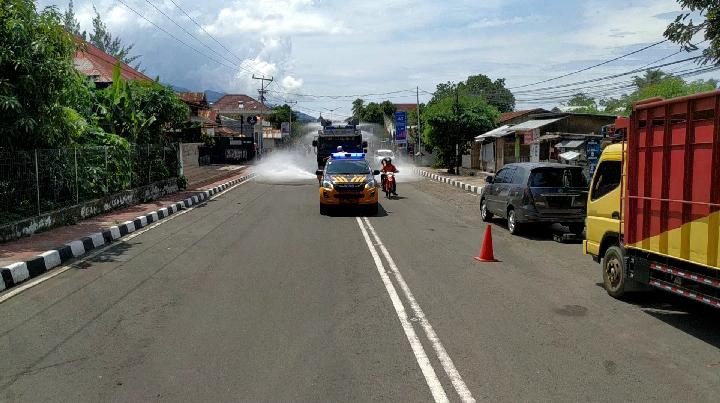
(405, 107)
(195, 98)
(507, 116)
(231, 103)
(98, 65)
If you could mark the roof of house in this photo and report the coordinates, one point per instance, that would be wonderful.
(405, 107)
(504, 130)
(98, 65)
(535, 123)
(226, 131)
(195, 98)
(507, 116)
(237, 103)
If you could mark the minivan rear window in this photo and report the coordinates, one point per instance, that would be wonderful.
(557, 178)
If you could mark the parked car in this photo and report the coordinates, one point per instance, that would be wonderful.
(547, 193)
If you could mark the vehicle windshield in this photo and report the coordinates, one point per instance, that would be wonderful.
(327, 146)
(347, 167)
(557, 177)
(384, 153)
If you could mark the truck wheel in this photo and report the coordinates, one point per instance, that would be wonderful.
(614, 272)
(484, 213)
(512, 224)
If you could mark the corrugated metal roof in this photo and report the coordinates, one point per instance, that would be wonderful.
(569, 144)
(534, 124)
(494, 133)
(569, 155)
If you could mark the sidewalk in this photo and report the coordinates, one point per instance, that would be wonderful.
(29, 247)
(472, 184)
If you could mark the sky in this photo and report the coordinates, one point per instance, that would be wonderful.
(348, 48)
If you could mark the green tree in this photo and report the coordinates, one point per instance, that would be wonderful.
(38, 83)
(140, 111)
(376, 112)
(71, 23)
(494, 92)
(358, 107)
(581, 103)
(104, 40)
(684, 28)
(451, 122)
(650, 77)
(669, 87)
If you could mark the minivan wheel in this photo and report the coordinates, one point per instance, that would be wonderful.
(512, 224)
(484, 213)
(613, 265)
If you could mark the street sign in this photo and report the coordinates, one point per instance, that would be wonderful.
(400, 127)
(592, 152)
(285, 129)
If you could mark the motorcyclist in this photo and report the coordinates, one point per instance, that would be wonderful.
(387, 166)
(339, 149)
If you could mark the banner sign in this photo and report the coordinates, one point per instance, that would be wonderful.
(400, 127)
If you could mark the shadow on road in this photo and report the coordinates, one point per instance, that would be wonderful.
(544, 232)
(693, 318)
(355, 211)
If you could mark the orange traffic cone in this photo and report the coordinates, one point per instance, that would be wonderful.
(486, 250)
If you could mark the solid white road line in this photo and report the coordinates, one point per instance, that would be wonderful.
(425, 366)
(440, 351)
(57, 271)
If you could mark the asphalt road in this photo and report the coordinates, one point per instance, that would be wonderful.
(256, 297)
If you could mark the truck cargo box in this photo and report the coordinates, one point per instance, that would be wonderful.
(672, 196)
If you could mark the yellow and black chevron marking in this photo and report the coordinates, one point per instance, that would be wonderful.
(345, 179)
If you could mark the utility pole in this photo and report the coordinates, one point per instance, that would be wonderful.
(290, 103)
(417, 103)
(262, 92)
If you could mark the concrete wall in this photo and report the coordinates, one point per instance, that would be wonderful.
(190, 155)
(73, 214)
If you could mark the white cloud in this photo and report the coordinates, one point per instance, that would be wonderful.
(272, 18)
(499, 22)
(291, 83)
(642, 21)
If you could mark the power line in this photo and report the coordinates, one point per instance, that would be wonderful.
(194, 37)
(174, 37)
(214, 39)
(590, 67)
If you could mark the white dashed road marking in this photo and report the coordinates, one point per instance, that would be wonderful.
(418, 315)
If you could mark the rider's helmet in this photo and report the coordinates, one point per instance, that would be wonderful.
(339, 149)
(387, 160)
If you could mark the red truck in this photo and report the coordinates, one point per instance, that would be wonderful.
(653, 215)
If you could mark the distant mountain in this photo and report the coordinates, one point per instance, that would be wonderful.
(305, 118)
(177, 88)
(213, 96)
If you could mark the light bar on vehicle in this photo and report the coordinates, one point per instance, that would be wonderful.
(347, 156)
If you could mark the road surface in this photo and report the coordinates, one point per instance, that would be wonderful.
(256, 297)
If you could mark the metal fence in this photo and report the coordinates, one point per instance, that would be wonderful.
(39, 181)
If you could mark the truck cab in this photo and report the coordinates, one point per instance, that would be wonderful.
(604, 227)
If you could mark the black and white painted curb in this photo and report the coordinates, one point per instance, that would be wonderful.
(18, 272)
(462, 185)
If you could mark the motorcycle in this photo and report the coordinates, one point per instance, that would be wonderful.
(389, 185)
